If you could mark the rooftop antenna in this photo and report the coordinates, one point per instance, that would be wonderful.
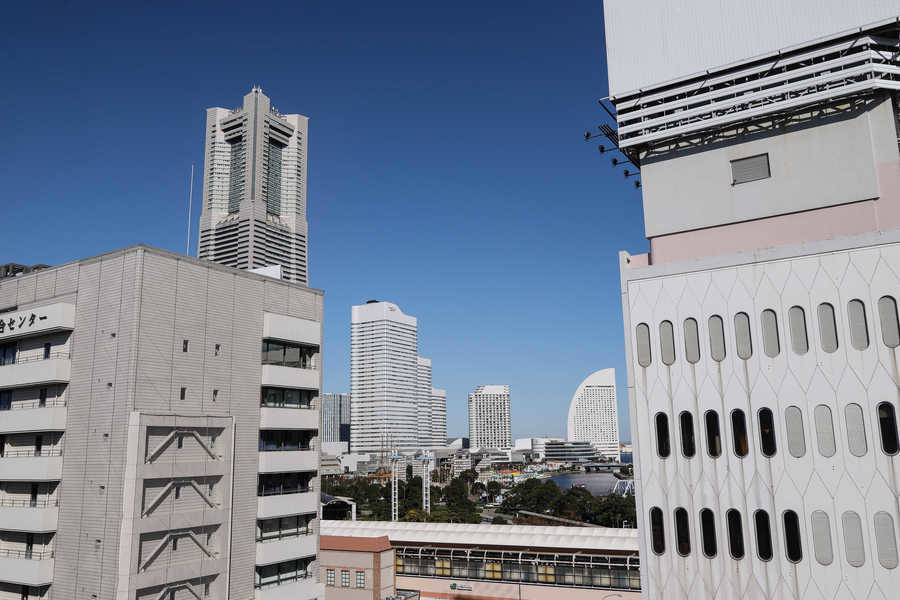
(190, 206)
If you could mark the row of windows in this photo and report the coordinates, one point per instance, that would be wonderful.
(794, 433)
(345, 578)
(820, 527)
(828, 334)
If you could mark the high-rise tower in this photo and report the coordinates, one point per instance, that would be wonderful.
(489, 417)
(254, 188)
(594, 413)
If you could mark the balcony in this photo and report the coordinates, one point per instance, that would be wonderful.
(288, 548)
(40, 321)
(290, 377)
(286, 461)
(36, 371)
(37, 516)
(28, 465)
(303, 588)
(288, 418)
(279, 505)
(291, 329)
(26, 568)
(32, 416)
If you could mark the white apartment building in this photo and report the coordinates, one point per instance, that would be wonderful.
(438, 418)
(761, 327)
(390, 384)
(594, 413)
(158, 432)
(254, 188)
(489, 417)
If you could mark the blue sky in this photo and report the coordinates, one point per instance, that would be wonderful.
(447, 167)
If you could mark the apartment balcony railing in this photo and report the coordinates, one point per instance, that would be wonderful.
(283, 579)
(29, 503)
(21, 360)
(307, 405)
(51, 403)
(27, 554)
(280, 491)
(298, 448)
(283, 535)
(32, 452)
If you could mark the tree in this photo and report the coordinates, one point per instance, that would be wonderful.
(493, 489)
(498, 520)
(408, 472)
(478, 489)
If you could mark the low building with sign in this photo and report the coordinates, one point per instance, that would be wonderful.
(158, 431)
(355, 568)
(502, 562)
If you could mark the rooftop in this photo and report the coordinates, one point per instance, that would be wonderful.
(593, 540)
(354, 544)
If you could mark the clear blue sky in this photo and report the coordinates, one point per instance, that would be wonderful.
(447, 167)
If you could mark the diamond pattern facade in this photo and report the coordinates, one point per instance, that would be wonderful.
(859, 477)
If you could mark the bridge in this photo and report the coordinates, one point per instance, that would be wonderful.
(597, 467)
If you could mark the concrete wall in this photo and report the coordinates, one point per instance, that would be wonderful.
(827, 165)
(654, 41)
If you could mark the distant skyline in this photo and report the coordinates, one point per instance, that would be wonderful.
(447, 169)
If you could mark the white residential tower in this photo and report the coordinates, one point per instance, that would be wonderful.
(489, 417)
(594, 414)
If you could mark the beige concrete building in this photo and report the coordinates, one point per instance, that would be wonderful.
(357, 568)
(148, 448)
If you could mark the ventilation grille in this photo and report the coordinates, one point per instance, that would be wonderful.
(751, 168)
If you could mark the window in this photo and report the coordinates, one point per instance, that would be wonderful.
(751, 168)
(42, 398)
(642, 335)
(360, 579)
(739, 431)
(859, 329)
(657, 535)
(742, 339)
(217, 349)
(713, 435)
(821, 534)
(763, 535)
(289, 355)
(286, 398)
(885, 540)
(662, 435)
(345, 578)
(887, 423)
(824, 430)
(184, 346)
(177, 491)
(856, 429)
(8, 354)
(183, 393)
(827, 328)
(174, 544)
(47, 351)
(5, 400)
(735, 534)
(887, 314)
(708, 532)
(716, 338)
(691, 341)
(854, 546)
(329, 577)
(793, 548)
(766, 432)
(797, 322)
(26, 591)
(771, 343)
(682, 532)
(688, 446)
(180, 439)
(793, 423)
(666, 343)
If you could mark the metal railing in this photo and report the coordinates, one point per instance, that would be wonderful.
(288, 449)
(284, 535)
(282, 580)
(19, 360)
(284, 491)
(27, 554)
(33, 404)
(307, 406)
(29, 503)
(32, 452)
